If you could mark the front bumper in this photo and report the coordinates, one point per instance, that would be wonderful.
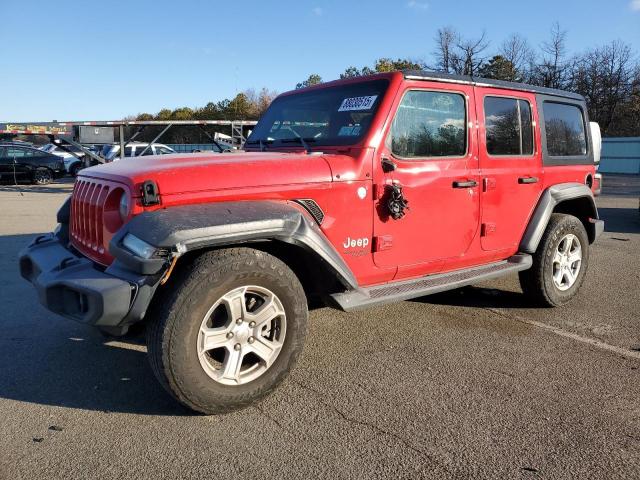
(73, 287)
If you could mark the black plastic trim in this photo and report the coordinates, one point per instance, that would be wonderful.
(551, 197)
(192, 227)
(418, 287)
(70, 285)
(64, 212)
(552, 161)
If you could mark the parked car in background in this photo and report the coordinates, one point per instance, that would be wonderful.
(72, 163)
(135, 149)
(19, 163)
(18, 142)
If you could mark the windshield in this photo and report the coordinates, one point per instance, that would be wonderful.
(338, 115)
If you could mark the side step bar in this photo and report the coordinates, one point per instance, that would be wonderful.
(419, 287)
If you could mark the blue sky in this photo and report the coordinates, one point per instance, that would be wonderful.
(100, 60)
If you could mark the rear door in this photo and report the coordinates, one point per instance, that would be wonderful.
(510, 165)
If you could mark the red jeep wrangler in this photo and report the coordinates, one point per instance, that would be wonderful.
(355, 193)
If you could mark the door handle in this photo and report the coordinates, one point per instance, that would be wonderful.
(465, 184)
(522, 180)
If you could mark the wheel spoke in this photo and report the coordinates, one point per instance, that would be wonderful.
(213, 338)
(265, 313)
(232, 364)
(575, 256)
(570, 277)
(557, 276)
(266, 349)
(235, 302)
(557, 258)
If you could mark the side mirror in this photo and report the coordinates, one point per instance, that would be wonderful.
(388, 165)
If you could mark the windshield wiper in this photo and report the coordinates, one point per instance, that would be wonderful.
(301, 141)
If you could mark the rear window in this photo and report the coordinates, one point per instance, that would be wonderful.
(508, 126)
(565, 132)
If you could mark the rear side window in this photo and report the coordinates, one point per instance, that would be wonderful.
(429, 124)
(564, 126)
(19, 152)
(508, 125)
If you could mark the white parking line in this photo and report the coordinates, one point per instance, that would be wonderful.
(573, 336)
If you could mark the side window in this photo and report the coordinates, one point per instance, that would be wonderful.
(3, 152)
(128, 151)
(163, 151)
(564, 125)
(508, 125)
(18, 153)
(429, 124)
(140, 149)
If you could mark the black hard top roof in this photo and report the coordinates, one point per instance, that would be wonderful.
(487, 82)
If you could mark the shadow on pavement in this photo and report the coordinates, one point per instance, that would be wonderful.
(620, 220)
(48, 360)
(478, 297)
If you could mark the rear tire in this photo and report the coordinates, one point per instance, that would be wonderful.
(559, 264)
(42, 176)
(200, 337)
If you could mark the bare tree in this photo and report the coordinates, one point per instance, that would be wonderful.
(470, 54)
(516, 50)
(605, 76)
(552, 70)
(445, 53)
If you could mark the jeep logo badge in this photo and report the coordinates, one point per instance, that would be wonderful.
(355, 242)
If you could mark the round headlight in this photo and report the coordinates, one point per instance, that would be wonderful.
(124, 207)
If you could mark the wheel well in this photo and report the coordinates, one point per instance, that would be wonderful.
(581, 208)
(316, 277)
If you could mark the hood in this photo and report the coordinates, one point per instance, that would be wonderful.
(182, 173)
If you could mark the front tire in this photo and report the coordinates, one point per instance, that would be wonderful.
(229, 331)
(559, 264)
(42, 176)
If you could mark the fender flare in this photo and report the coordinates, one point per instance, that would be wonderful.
(549, 199)
(191, 227)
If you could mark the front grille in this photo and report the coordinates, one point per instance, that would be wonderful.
(86, 227)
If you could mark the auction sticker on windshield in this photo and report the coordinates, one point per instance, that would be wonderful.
(357, 103)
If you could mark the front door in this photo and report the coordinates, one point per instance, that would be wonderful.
(510, 165)
(430, 152)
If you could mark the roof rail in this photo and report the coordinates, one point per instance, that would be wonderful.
(486, 82)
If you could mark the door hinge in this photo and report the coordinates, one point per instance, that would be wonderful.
(383, 242)
(378, 191)
(487, 229)
(150, 194)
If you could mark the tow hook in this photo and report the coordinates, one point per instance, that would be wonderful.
(180, 250)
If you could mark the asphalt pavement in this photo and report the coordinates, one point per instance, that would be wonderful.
(472, 383)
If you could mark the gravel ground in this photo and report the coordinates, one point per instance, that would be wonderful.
(466, 384)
